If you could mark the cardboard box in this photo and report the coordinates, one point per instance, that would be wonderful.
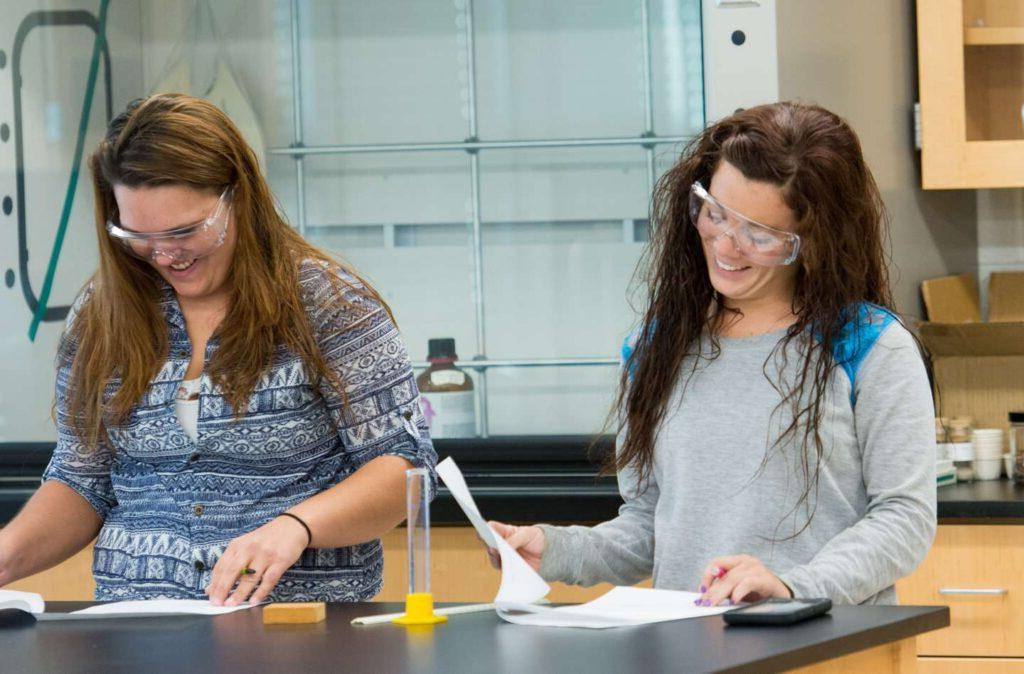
(979, 367)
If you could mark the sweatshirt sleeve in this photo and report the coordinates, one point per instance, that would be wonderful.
(620, 551)
(894, 421)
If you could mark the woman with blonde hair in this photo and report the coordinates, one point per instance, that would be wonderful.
(235, 410)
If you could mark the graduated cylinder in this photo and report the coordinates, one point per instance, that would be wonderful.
(419, 602)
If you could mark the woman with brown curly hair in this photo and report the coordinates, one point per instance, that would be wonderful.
(776, 424)
(235, 410)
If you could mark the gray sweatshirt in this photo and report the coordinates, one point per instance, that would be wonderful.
(873, 512)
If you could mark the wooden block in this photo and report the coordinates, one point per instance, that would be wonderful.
(306, 612)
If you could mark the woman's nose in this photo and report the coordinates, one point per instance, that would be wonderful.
(163, 258)
(725, 244)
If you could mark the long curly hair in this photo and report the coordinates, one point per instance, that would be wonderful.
(120, 332)
(815, 159)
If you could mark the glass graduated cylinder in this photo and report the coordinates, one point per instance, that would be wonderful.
(417, 501)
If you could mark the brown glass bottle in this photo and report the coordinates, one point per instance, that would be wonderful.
(446, 393)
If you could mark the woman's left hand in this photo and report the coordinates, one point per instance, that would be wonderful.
(268, 551)
(739, 578)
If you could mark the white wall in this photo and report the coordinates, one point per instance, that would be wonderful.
(859, 59)
(1000, 235)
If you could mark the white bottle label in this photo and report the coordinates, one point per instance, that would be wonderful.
(450, 415)
(447, 378)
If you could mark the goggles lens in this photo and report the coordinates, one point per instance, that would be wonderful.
(181, 244)
(762, 245)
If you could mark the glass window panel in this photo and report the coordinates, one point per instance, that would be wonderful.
(377, 72)
(575, 68)
(401, 219)
(559, 248)
(549, 400)
(546, 69)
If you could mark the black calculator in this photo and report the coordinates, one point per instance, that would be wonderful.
(776, 611)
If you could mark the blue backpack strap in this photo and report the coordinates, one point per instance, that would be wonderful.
(856, 339)
(629, 349)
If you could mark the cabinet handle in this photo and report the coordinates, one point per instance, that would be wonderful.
(974, 590)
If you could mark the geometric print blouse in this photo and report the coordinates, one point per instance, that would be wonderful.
(171, 505)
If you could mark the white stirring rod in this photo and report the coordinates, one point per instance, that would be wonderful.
(449, 610)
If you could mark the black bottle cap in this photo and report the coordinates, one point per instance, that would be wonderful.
(1017, 417)
(441, 349)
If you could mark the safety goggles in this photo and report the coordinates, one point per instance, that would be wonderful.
(180, 244)
(761, 244)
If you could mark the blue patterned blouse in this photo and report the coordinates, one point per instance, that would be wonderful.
(170, 505)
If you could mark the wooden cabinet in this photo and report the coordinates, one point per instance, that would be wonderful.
(971, 74)
(976, 570)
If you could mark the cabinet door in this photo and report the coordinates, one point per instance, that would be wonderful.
(976, 571)
(971, 63)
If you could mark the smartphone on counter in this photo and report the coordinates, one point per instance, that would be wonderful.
(776, 611)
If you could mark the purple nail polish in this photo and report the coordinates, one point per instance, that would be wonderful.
(696, 602)
(727, 602)
(703, 589)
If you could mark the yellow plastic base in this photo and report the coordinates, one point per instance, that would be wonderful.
(419, 610)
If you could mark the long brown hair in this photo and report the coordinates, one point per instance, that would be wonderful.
(120, 331)
(815, 159)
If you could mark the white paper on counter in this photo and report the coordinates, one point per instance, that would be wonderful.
(618, 607)
(149, 607)
(24, 601)
(521, 586)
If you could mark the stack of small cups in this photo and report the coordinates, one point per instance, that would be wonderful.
(988, 453)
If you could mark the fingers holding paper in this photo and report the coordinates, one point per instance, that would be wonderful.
(528, 541)
(737, 578)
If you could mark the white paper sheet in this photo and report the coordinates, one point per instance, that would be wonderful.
(151, 607)
(618, 607)
(521, 586)
(25, 601)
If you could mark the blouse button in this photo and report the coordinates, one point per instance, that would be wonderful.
(193, 458)
(407, 414)
(198, 510)
(200, 566)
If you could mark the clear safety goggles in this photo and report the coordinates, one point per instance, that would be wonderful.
(761, 244)
(181, 243)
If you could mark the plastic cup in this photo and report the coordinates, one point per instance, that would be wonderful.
(988, 469)
(987, 443)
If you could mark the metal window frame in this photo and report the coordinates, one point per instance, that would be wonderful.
(472, 146)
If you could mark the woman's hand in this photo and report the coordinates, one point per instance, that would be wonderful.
(268, 552)
(739, 578)
(527, 541)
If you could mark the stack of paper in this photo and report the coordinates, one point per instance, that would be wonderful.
(521, 586)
